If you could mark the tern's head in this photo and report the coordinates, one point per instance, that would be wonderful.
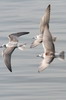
(3, 46)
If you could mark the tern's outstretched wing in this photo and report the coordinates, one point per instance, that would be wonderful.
(13, 37)
(7, 57)
(45, 19)
(48, 41)
(45, 62)
(36, 43)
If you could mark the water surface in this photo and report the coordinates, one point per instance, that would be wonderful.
(25, 83)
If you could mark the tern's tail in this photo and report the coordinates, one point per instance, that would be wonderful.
(62, 55)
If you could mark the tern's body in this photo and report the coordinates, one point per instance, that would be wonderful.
(10, 47)
(49, 50)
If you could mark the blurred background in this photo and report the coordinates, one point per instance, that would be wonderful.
(25, 83)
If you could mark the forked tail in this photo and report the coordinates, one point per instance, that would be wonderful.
(62, 55)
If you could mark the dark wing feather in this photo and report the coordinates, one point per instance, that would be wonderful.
(45, 19)
(7, 57)
(20, 34)
(13, 37)
(7, 60)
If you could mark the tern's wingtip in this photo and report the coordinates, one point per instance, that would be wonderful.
(10, 70)
(27, 32)
(49, 5)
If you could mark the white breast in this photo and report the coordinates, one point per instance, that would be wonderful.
(11, 44)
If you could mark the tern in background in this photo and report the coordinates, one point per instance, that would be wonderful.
(11, 46)
(44, 21)
(49, 50)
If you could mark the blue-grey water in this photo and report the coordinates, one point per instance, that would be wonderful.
(25, 83)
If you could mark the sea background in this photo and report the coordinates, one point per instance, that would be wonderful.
(25, 83)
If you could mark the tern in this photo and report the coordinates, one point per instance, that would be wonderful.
(11, 46)
(49, 50)
(44, 21)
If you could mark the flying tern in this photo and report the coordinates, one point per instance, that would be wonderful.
(49, 50)
(11, 46)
